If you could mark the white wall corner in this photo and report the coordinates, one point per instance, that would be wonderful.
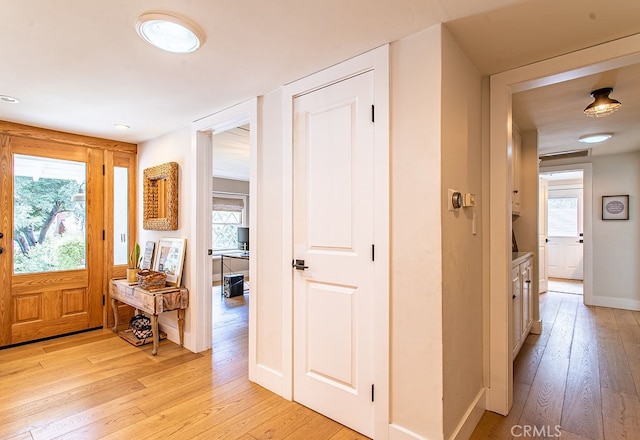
(270, 379)
(471, 417)
(397, 432)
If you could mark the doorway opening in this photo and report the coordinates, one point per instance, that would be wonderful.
(562, 205)
(230, 226)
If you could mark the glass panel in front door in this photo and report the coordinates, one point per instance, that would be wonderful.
(562, 217)
(49, 214)
(120, 215)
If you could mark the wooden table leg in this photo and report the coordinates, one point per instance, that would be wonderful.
(181, 326)
(114, 305)
(156, 334)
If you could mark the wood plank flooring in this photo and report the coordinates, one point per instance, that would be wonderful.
(95, 385)
(578, 380)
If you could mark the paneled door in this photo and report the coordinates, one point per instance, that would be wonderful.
(543, 259)
(52, 238)
(332, 237)
(564, 226)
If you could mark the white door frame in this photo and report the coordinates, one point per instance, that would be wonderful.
(587, 221)
(577, 64)
(202, 182)
(378, 61)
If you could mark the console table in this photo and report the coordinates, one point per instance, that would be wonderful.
(153, 302)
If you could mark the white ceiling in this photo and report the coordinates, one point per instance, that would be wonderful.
(231, 154)
(79, 66)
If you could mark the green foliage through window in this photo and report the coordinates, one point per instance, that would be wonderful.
(49, 229)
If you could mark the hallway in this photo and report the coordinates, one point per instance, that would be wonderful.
(578, 380)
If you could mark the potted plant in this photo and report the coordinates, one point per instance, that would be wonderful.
(134, 263)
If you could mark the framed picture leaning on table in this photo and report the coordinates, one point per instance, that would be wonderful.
(170, 259)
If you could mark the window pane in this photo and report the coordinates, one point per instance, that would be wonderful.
(563, 217)
(120, 215)
(225, 229)
(48, 215)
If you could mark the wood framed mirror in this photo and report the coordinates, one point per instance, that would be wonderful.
(160, 197)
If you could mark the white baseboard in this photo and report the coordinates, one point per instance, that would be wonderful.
(471, 417)
(615, 303)
(269, 379)
(462, 432)
(536, 327)
(397, 432)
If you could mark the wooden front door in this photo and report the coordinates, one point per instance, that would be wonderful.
(51, 195)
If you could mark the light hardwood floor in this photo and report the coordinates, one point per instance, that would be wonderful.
(95, 385)
(581, 375)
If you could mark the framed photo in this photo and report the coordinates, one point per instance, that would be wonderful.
(147, 256)
(170, 258)
(615, 207)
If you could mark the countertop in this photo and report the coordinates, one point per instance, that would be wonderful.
(519, 257)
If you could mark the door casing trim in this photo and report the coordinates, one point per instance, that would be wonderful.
(376, 60)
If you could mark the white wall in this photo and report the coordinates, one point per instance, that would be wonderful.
(416, 257)
(269, 356)
(173, 147)
(616, 244)
(462, 322)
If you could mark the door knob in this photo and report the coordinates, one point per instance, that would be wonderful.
(1, 235)
(1, 250)
(299, 265)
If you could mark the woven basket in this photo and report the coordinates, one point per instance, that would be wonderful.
(150, 280)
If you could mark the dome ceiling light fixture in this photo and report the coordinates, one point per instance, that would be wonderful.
(595, 138)
(602, 105)
(170, 32)
(9, 99)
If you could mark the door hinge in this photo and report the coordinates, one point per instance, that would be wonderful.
(373, 252)
(103, 300)
(372, 393)
(373, 113)
(104, 170)
(104, 235)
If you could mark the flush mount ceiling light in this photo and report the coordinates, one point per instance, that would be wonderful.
(122, 126)
(170, 32)
(9, 99)
(602, 105)
(595, 138)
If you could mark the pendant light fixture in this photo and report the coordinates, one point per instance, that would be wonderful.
(170, 32)
(602, 105)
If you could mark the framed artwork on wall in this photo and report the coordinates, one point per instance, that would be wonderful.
(170, 259)
(615, 207)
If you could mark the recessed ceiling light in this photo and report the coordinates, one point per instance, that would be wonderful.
(122, 126)
(170, 32)
(595, 138)
(9, 99)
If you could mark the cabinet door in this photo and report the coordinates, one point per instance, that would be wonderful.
(525, 279)
(516, 321)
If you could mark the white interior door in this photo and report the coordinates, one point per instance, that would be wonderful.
(564, 225)
(333, 240)
(543, 195)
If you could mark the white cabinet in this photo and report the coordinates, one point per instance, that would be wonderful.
(522, 300)
(516, 159)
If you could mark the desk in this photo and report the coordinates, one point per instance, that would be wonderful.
(242, 255)
(152, 302)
